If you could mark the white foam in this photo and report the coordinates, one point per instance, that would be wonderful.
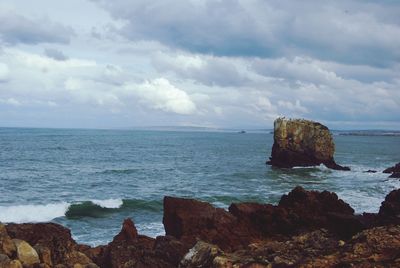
(108, 203)
(32, 213)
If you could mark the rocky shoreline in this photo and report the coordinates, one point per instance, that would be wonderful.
(305, 229)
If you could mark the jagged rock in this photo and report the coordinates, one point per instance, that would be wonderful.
(375, 247)
(189, 220)
(389, 212)
(25, 253)
(395, 168)
(300, 142)
(395, 175)
(128, 249)
(170, 249)
(300, 211)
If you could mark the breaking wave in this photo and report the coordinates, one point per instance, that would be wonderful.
(92, 208)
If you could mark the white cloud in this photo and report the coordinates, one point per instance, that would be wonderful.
(204, 69)
(4, 72)
(160, 94)
(11, 101)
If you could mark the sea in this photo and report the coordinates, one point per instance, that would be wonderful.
(91, 180)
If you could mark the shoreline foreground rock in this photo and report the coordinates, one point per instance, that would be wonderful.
(305, 229)
(302, 143)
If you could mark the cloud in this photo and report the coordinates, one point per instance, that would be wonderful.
(354, 32)
(160, 94)
(207, 70)
(55, 54)
(4, 72)
(298, 69)
(15, 29)
(220, 63)
(11, 101)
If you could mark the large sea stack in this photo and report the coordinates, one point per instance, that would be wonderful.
(299, 142)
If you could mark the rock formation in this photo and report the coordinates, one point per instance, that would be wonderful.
(300, 142)
(305, 229)
(395, 170)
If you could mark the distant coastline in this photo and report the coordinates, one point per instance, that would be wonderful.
(367, 133)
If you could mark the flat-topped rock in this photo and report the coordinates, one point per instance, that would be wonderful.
(299, 142)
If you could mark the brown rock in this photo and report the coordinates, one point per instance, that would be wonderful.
(76, 257)
(299, 142)
(44, 254)
(4, 259)
(14, 264)
(6, 245)
(297, 212)
(189, 220)
(170, 249)
(6, 262)
(201, 255)
(128, 249)
(25, 253)
(53, 236)
(395, 175)
(395, 168)
(389, 212)
(91, 265)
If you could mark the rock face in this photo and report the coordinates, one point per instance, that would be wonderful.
(300, 211)
(389, 212)
(395, 170)
(376, 247)
(300, 142)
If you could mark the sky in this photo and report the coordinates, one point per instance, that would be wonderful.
(220, 63)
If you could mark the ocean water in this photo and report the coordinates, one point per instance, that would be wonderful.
(90, 180)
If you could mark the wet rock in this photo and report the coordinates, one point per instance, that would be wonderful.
(395, 168)
(389, 212)
(25, 253)
(299, 142)
(395, 175)
(370, 171)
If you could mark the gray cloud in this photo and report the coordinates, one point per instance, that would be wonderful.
(15, 28)
(354, 32)
(207, 70)
(55, 54)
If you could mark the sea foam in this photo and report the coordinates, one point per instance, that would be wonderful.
(32, 213)
(108, 203)
(48, 212)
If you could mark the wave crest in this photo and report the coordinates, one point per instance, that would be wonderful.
(93, 208)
